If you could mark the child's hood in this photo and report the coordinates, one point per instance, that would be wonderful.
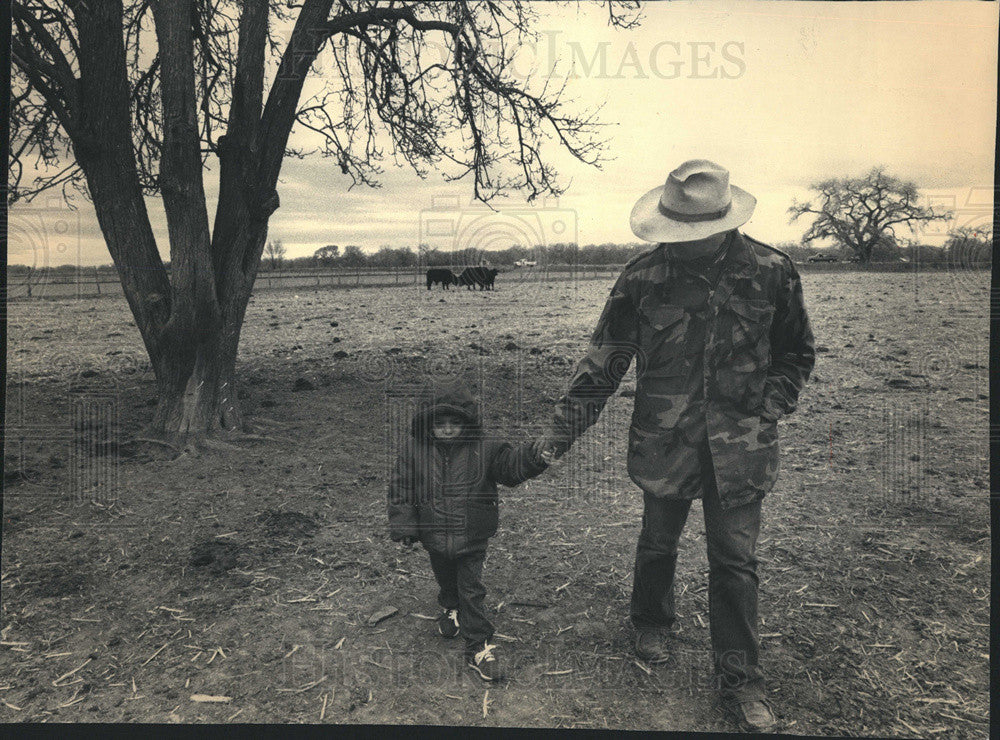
(456, 400)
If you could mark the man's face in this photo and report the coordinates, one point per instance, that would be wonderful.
(698, 248)
(446, 427)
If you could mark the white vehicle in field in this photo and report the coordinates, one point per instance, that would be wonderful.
(525, 263)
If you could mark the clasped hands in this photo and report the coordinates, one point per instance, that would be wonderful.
(547, 449)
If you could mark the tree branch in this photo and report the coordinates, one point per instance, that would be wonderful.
(195, 307)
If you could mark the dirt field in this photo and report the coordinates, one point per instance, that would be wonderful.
(131, 582)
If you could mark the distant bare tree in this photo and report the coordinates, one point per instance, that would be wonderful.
(28, 278)
(353, 256)
(860, 213)
(275, 252)
(970, 246)
(326, 255)
(123, 100)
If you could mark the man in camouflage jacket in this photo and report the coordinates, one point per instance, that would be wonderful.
(716, 325)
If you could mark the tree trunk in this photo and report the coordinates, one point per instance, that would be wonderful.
(195, 366)
(191, 322)
(124, 221)
(102, 144)
(865, 251)
(193, 360)
(197, 396)
(196, 376)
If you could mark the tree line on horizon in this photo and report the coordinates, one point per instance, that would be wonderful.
(860, 214)
(965, 246)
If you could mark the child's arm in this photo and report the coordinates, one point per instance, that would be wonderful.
(402, 503)
(512, 465)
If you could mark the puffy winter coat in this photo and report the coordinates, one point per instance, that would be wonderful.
(445, 493)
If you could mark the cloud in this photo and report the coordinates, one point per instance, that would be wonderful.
(816, 90)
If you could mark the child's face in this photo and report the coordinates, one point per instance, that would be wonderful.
(446, 427)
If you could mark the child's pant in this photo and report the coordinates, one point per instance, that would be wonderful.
(462, 589)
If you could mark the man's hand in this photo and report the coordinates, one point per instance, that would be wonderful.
(409, 541)
(770, 411)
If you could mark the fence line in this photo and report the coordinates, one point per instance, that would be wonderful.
(89, 283)
(93, 282)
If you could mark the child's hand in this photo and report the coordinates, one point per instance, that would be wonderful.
(544, 450)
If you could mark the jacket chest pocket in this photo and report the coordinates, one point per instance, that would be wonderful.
(662, 317)
(749, 326)
(741, 369)
(663, 331)
(662, 325)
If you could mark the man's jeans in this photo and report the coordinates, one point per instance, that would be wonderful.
(732, 581)
(462, 589)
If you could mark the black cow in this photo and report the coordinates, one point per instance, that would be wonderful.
(491, 276)
(484, 277)
(441, 275)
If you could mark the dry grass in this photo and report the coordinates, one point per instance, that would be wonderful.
(250, 578)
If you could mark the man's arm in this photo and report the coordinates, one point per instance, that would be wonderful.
(613, 344)
(792, 349)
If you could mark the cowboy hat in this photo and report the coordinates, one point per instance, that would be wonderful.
(696, 202)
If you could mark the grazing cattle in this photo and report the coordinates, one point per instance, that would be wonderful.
(441, 275)
(484, 277)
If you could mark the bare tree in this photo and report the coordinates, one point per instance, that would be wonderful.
(326, 255)
(860, 213)
(426, 83)
(970, 246)
(353, 256)
(275, 252)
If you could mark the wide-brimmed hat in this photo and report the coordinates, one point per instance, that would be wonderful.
(696, 202)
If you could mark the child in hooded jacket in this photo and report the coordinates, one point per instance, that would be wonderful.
(443, 493)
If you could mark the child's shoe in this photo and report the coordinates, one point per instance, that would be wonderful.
(448, 623)
(482, 660)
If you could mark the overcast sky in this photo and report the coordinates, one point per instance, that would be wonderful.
(783, 94)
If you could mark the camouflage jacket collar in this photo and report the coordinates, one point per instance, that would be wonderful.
(740, 260)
